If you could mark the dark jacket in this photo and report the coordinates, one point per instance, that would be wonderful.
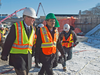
(63, 33)
(19, 61)
(39, 54)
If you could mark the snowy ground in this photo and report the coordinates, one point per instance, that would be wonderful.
(85, 61)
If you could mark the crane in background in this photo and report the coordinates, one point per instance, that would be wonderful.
(38, 9)
(20, 10)
(12, 14)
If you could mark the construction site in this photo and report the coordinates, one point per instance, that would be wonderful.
(86, 25)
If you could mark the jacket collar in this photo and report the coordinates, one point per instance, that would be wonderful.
(50, 30)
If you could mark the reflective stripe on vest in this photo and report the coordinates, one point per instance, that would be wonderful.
(48, 43)
(67, 43)
(45, 34)
(3, 32)
(22, 44)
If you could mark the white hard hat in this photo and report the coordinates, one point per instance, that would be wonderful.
(40, 25)
(66, 27)
(30, 12)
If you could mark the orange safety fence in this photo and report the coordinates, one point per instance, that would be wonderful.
(77, 30)
(62, 22)
(69, 21)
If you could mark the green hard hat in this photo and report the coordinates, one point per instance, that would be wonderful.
(57, 23)
(50, 16)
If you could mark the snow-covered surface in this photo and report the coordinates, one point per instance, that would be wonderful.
(95, 32)
(85, 60)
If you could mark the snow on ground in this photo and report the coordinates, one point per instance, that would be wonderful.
(85, 60)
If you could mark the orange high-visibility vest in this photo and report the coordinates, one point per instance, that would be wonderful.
(67, 43)
(48, 43)
(22, 45)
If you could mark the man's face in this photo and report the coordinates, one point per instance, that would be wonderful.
(67, 31)
(29, 20)
(51, 23)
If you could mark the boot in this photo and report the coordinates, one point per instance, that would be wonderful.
(64, 68)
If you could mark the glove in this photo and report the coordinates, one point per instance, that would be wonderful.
(4, 58)
(61, 59)
(75, 44)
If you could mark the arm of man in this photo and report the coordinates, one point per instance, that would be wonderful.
(62, 51)
(74, 38)
(38, 46)
(61, 36)
(60, 48)
(8, 43)
(59, 45)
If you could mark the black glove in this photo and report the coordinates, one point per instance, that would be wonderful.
(4, 58)
(61, 59)
(75, 44)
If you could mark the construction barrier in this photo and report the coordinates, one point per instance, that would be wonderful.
(69, 21)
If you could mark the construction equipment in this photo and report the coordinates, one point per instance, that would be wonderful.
(38, 9)
(12, 14)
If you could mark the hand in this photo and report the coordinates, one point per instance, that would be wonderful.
(75, 44)
(4, 58)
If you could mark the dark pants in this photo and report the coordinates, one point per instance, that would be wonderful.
(21, 72)
(21, 61)
(47, 64)
(69, 53)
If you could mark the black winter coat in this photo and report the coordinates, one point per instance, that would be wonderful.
(63, 33)
(39, 54)
(19, 61)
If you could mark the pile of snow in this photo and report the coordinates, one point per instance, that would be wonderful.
(95, 32)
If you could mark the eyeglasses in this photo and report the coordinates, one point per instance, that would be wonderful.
(51, 20)
(30, 17)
